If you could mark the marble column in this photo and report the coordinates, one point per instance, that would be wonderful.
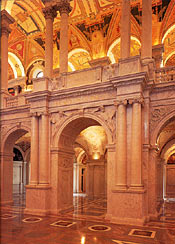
(6, 20)
(125, 29)
(146, 48)
(136, 144)
(34, 154)
(49, 13)
(44, 150)
(64, 10)
(121, 167)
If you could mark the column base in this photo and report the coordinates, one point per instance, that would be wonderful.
(120, 187)
(127, 206)
(136, 187)
(37, 199)
(127, 221)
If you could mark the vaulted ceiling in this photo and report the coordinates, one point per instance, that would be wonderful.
(94, 32)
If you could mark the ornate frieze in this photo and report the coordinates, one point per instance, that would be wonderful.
(158, 113)
(105, 113)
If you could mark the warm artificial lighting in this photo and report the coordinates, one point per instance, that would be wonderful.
(168, 31)
(169, 56)
(13, 68)
(83, 239)
(110, 54)
(96, 155)
(28, 88)
(71, 66)
(17, 61)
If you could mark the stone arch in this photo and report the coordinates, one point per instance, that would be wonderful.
(94, 121)
(156, 161)
(168, 149)
(162, 123)
(11, 136)
(62, 156)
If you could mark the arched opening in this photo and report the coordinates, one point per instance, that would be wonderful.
(82, 165)
(166, 146)
(166, 161)
(15, 165)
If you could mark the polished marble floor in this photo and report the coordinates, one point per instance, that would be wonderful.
(83, 224)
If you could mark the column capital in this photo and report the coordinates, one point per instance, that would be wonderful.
(5, 30)
(6, 20)
(50, 12)
(121, 102)
(64, 7)
(45, 113)
(139, 100)
(33, 114)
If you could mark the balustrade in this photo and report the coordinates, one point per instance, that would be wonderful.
(165, 74)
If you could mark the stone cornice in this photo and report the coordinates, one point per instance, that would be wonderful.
(83, 90)
(39, 95)
(162, 87)
(13, 110)
(125, 80)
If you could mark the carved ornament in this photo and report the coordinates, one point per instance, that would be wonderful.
(64, 7)
(65, 163)
(158, 113)
(50, 13)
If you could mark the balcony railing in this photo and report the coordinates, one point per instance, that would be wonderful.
(165, 74)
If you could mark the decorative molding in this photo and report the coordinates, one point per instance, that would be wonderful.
(65, 162)
(139, 100)
(105, 113)
(158, 113)
(121, 102)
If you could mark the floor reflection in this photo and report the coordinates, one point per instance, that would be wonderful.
(83, 224)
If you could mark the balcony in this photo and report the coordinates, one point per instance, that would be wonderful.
(165, 74)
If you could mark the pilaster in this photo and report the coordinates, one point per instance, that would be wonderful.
(34, 180)
(121, 148)
(136, 144)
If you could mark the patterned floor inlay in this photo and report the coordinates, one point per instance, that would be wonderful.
(14, 230)
(7, 216)
(142, 233)
(99, 228)
(124, 242)
(32, 220)
(63, 223)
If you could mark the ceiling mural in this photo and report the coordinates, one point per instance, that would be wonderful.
(94, 32)
(93, 141)
(94, 26)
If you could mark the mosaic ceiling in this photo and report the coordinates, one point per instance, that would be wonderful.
(94, 31)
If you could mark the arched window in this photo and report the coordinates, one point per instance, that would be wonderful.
(40, 74)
